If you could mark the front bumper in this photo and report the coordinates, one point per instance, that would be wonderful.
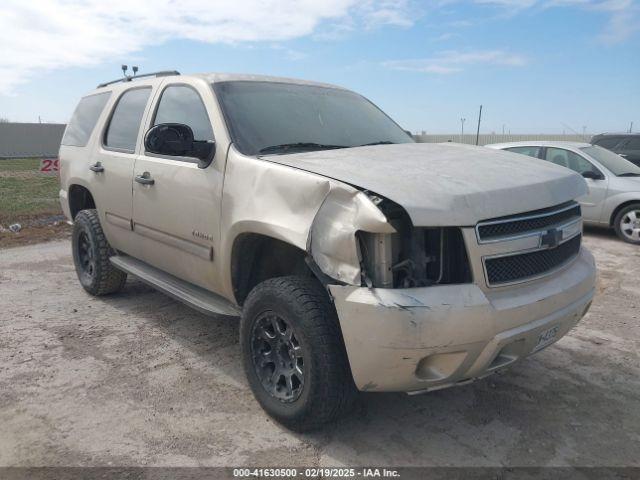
(428, 338)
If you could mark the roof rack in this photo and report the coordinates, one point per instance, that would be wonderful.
(127, 78)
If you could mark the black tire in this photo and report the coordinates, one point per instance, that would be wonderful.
(325, 390)
(91, 253)
(623, 220)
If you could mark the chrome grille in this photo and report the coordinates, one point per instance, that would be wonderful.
(524, 266)
(499, 228)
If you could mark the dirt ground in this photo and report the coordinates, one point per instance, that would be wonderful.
(139, 379)
(29, 198)
(35, 229)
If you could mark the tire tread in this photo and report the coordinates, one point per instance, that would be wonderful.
(335, 392)
(109, 278)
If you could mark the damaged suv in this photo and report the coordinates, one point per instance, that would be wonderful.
(356, 258)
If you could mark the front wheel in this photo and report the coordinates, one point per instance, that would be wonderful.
(293, 353)
(627, 224)
(91, 253)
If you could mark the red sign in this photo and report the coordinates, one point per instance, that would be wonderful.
(50, 165)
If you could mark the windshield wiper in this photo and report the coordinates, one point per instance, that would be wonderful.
(299, 145)
(629, 174)
(381, 142)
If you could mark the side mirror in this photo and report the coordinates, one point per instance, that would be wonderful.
(176, 140)
(592, 175)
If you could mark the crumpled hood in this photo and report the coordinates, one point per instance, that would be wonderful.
(446, 184)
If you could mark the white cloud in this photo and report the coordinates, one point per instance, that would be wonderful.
(43, 35)
(623, 15)
(446, 36)
(449, 62)
(513, 4)
(624, 20)
(370, 14)
(387, 12)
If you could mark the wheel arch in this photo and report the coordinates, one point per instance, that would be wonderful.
(617, 210)
(257, 257)
(80, 198)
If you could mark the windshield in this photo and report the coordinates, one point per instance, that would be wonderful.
(615, 163)
(277, 118)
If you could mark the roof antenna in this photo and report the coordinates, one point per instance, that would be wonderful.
(135, 70)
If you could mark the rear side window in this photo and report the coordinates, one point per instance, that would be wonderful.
(124, 126)
(182, 104)
(84, 119)
(531, 151)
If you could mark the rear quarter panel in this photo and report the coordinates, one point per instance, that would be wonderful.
(75, 161)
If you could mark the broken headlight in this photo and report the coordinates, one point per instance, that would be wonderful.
(412, 256)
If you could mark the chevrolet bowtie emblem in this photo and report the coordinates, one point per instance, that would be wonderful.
(552, 238)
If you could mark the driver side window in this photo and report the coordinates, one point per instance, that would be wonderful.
(182, 104)
(568, 159)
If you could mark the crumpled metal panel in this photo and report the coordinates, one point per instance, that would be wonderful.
(266, 198)
(388, 332)
(446, 185)
(309, 211)
(332, 242)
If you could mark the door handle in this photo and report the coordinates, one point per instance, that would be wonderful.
(97, 167)
(145, 179)
(622, 154)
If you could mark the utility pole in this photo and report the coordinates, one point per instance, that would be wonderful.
(584, 130)
(631, 127)
(462, 120)
(479, 120)
(503, 125)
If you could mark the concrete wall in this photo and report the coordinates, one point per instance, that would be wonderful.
(486, 139)
(24, 140)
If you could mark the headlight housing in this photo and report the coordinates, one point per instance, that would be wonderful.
(412, 256)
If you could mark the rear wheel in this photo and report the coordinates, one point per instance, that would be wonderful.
(91, 253)
(627, 224)
(293, 353)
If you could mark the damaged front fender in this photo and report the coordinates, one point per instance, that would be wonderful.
(332, 241)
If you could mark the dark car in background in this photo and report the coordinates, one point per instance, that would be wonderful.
(626, 145)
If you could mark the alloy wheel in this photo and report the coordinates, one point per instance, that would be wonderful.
(86, 255)
(630, 225)
(278, 357)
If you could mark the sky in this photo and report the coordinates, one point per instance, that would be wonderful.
(536, 66)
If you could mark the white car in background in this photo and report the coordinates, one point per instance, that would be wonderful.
(614, 183)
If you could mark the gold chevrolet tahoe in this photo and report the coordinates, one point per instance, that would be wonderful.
(355, 258)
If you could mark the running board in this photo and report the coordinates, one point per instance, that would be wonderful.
(192, 295)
